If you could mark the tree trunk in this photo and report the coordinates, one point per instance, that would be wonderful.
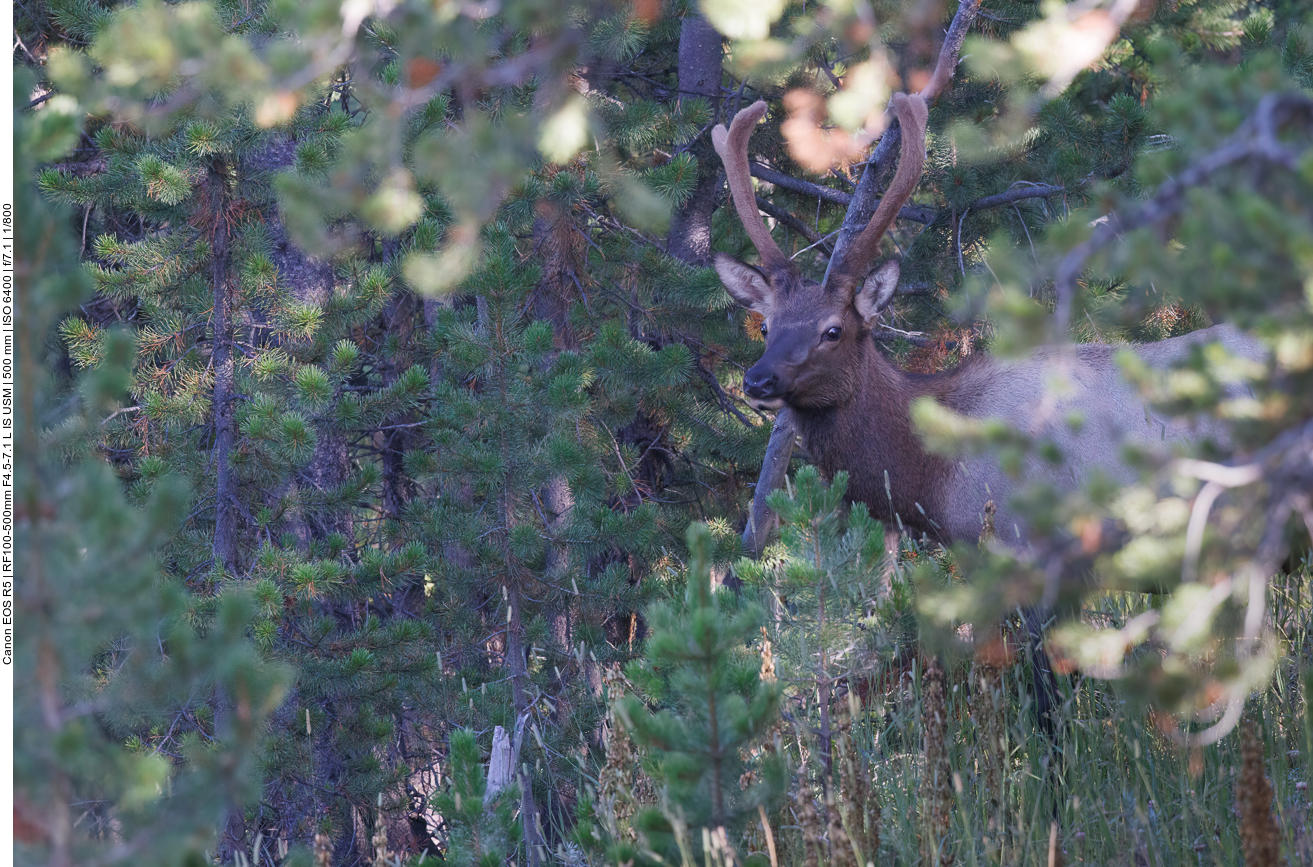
(395, 440)
(700, 51)
(518, 670)
(233, 836)
(225, 501)
(774, 467)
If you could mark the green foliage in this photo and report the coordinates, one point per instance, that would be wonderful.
(474, 405)
(140, 699)
(1239, 236)
(838, 595)
(716, 708)
(480, 832)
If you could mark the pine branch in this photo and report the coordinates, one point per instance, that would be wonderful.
(1256, 139)
(1019, 194)
(807, 188)
(788, 219)
(915, 213)
(725, 403)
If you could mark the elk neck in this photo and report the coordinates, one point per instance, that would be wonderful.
(871, 433)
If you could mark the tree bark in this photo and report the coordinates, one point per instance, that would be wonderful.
(762, 521)
(224, 551)
(700, 54)
(225, 500)
(517, 668)
(397, 439)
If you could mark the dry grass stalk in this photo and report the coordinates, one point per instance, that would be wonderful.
(771, 742)
(857, 801)
(988, 704)
(1056, 858)
(841, 847)
(770, 745)
(1260, 838)
(987, 709)
(617, 800)
(382, 856)
(717, 848)
(813, 832)
(768, 836)
(323, 850)
(838, 806)
(937, 783)
(987, 525)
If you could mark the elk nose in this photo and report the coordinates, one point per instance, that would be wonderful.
(760, 383)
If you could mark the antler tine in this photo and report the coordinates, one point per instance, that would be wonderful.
(863, 249)
(912, 114)
(733, 149)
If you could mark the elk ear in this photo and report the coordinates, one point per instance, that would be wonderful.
(877, 291)
(745, 284)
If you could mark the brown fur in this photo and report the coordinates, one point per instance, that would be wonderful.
(869, 431)
(853, 406)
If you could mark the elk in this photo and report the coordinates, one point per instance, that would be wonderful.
(852, 406)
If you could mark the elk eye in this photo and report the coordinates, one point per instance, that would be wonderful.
(763, 329)
(833, 333)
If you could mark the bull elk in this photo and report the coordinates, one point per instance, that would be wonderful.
(852, 406)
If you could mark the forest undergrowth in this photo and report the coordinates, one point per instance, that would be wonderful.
(893, 753)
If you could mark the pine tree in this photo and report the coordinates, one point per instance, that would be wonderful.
(714, 709)
(831, 567)
(248, 382)
(297, 392)
(143, 701)
(482, 829)
(245, 384)
(447, 382)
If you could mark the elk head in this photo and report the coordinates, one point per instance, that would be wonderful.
(816, 333)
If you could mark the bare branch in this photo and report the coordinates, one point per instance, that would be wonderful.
(1286, 465)
(798, 185)
(780, 215)
(726, 404)
(915, 213)
(1018, 194)
(952, 47)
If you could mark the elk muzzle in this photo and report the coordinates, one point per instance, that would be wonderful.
(762, 386)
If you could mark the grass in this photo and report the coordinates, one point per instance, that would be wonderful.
(1116, 790)
(951, 768)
